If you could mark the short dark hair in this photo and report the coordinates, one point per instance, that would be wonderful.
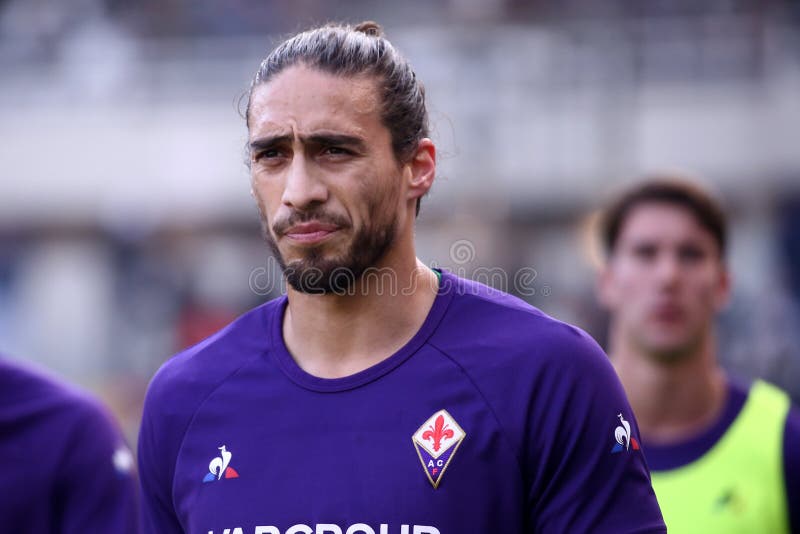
(671, 189)
(346, 50)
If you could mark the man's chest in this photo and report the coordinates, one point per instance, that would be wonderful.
(330, 464)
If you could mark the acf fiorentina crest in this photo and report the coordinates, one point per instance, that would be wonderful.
(436, 442)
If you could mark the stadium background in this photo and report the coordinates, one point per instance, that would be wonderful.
(127, 231)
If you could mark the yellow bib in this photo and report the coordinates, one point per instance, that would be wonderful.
(737, 486)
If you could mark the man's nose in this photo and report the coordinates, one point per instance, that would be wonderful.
(668, 270)
(304, 187)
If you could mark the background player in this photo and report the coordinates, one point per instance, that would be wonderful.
(378, 395)
(65, 467)
(724, 454)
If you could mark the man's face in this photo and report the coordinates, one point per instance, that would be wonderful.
(664, 282)
(326, 181)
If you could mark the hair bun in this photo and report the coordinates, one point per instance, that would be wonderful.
(369, 27)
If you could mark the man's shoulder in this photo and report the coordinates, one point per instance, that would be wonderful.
(484, 325)
(189, 374)
(37, 405)
(513, 352)
(33, 392)
(765, 397)
(60, 433)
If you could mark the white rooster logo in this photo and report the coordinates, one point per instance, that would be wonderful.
(623, 433)
(219, 466)
(220, 463)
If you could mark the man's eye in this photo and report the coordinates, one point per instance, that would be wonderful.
(691, 253)
(271, 153)
(268, 155)
(335, 151)
(644, 252)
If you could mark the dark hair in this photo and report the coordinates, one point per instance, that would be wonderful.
(346, 50)
(665, 188)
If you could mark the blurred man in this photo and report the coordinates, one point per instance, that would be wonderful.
(378, 396)
(66, 468)
(725, 455)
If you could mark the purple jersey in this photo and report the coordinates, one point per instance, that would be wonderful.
(65, 466)
(493, 418)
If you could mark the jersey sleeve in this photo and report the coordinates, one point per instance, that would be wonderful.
(156, 466)
(96, 484)
(173, 396)
(586, 470)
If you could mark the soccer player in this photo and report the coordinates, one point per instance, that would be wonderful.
(378, 396)
(724, 454)
(66, 469)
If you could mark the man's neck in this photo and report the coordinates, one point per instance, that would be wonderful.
(672, 401)
(331, 336)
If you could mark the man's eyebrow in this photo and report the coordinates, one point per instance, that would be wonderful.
(269, 141)
(324, 139)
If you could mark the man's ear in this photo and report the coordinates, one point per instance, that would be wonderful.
(421, 170)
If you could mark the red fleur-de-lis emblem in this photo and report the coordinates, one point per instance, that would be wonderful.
(437, 433)
(436, 442)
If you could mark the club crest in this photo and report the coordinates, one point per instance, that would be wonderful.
(436, 442)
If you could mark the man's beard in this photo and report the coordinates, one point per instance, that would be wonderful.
(316, 274)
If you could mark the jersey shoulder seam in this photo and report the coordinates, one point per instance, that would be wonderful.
(196, 410)
(514, 449)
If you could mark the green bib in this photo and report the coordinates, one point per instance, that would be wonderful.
(738, 485)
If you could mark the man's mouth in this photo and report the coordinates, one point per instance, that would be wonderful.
(667, 313)
(310, 232)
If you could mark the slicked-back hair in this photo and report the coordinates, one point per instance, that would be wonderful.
(360, 50)
(670, 189)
